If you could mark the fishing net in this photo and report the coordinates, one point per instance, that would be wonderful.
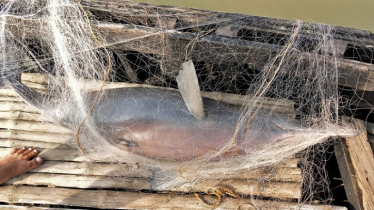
(279, 86)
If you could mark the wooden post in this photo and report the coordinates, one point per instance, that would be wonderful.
(361, 169)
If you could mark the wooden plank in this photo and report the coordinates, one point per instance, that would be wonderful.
(55, 163)
(80, 181)
(5, 92)
(34, 126)
(13, 143)
(267, 189)
(74, 155)
(278, 105)
(348, 175)
(281, 174)
(54, 154)
(146, 14)
(20, 115)
(6, 106)
(132, 200)
(15, 207)
(363, 162)
(6, 98)
(247, 187)
(351, 73)
(95, 169)
(173, 44)
(133, 170)
(35, 136)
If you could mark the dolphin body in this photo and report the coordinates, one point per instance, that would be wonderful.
(157, 124)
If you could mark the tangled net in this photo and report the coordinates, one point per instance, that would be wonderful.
(299, 67)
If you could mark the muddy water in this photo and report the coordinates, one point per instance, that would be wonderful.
(348, 13)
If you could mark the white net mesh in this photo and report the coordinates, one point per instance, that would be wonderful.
(287, 76)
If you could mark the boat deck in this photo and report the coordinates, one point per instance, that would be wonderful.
(67, 179)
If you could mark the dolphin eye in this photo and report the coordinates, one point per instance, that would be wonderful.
(129, 143)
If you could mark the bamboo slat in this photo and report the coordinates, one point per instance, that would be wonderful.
(132, 200)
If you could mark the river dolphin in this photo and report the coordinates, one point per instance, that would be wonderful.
(157, 124)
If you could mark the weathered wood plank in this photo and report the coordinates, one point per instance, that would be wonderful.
(80, 181)
(248, 187)
(148, 14)
(74, 155)
(6, 106)
(132, 200)
(34, 126)
(54, 154)
(35, 136)
(26, 116)
(94, 169)
(348, 175)
(363, 162)
(173, 44)
(13, 143)
(278, 105)
(15, 207)
(55, 163)
(351, 73)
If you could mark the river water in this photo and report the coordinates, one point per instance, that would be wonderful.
(348, 13)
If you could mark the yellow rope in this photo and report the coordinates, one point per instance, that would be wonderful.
(220, 192)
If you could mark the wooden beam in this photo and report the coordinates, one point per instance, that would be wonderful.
(348, 175)
(149, 14)
(228, 50)
(132, 200)
(277, 105)
(363, 163)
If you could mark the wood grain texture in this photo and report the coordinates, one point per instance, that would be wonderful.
(133, 200)
(363, 162)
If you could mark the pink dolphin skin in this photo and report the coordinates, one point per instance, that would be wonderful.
(157, 124)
